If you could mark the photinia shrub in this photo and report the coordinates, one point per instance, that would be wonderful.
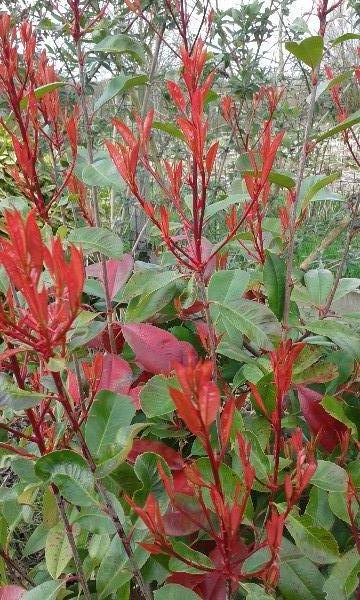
(187, 427)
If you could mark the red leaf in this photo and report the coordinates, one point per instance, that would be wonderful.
(176, 95)
(116, 375)
(11, 592)
(173, 458)
(118, 272)
(327, 429)
(157, 350)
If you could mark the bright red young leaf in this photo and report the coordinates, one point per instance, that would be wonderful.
(118, 272)
(173, 458)
(157, 350)
(327, 429)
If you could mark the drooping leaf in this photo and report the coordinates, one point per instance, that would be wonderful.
(317, 544)
(309, 51)
(119, 84)
(156, 350)
(169, 128)
(41, 91)
(312, 185)
(96, 239)
(121, 44)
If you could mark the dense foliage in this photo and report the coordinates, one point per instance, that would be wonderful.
(179, 392)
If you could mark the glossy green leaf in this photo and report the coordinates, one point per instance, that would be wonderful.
(176, 564)
(316, 543)
(41, 91)
(155, 397)
(274, 280)
(119, 84)
(108, 413)
(318, 283)
(70, 472)
(97, 239)
(329, 476)
(174, 591)
(121, 44)
(343, 579)
(48, 590)
(309, 51)
(147, 281)
(299, 579)
(15, 398)
(352, 120)
(169, 128)
(340, 333)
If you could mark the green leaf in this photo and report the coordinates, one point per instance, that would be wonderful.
(215, 207)
(41, 91)
(319, 283)
(174, 591)
(339, 506)
(70, 472)
(101, 173)
(318, 544)
(246, 317)
(146, 469)
(108, 413)
(311, 186)
(337, 409)
(346, 124)
(168, 128)
(346, 285)
(299, 579)
(147, 281)
(340, 333)
(36, 541)
(274, 280)
(121, 44)
(343, 578)
(95, 521)
(318, 508)
(309, 51)
(225, 286)
(57, 550)
(15, 398)
(145, 306)
(114, 570)
(255, 592)
(97, 239)
(329, 476)
(119, 84)
(176, 564)
(155, 396)
(345, 37)
(48, 590)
